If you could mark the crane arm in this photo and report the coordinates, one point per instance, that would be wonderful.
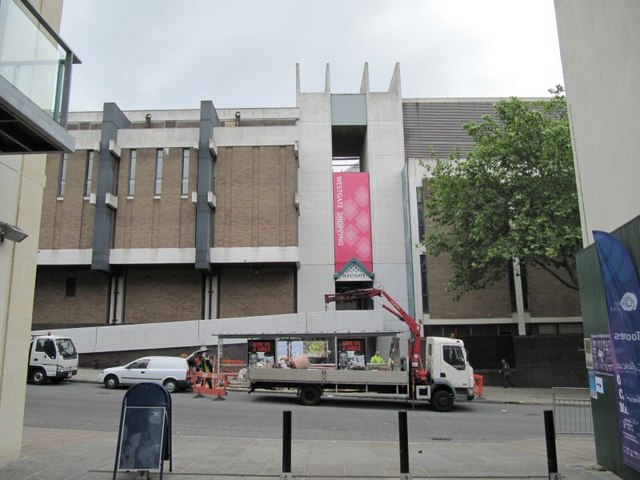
(395, 308)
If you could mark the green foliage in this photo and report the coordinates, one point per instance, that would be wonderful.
(513, 196)
(314, 348)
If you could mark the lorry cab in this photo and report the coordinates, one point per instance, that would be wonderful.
(446, 361)
(51, 358)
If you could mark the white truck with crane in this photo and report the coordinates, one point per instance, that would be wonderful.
(51, 358)
(440, 376)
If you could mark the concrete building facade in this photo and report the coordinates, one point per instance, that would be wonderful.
(167, 217)
(601, 65)
(35, 76)
(600, 71)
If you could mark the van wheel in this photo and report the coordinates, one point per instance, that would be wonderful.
(310, 395)
(38, 376)
(111, 382)
(442, 401)
(171, 385)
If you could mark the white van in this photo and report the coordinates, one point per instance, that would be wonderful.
(172, 372)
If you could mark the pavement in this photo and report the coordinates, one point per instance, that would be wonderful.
(53, 454)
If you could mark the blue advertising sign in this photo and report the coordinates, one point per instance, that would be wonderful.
(622, 290)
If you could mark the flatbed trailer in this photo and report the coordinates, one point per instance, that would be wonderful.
(328, 378)
(448, 381)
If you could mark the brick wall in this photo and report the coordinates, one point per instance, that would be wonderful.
(544, 361)
(491, 302)
(147, 222)
(88, 307)
(68, 223)
(255, 188)
(549, 298)
(551, 361)
(256, 291)
(162, 295)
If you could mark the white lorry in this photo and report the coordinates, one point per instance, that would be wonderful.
(51, 358)
(440, 376)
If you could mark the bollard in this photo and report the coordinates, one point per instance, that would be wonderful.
(286, 445)
(404, 446)
(550, 437)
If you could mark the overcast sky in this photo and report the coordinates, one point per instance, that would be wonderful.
(156, 54)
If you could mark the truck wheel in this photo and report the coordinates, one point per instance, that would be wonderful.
(171, 385)
(38, 376)
(310, 395)
(442, 401)
(111, 382)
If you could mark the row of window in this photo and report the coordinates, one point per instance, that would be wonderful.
(502, 329)
(88, 175)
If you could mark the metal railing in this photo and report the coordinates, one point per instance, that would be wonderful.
(572, 411)
(34, 59)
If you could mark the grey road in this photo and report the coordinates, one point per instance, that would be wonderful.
(83, 406)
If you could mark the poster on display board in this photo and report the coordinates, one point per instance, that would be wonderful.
(351, 352)
(601, 354)
(261, 351)
(622, 290)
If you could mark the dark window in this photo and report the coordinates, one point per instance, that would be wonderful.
(62, 180)
(345, 164)
(132, 172)
(88, 174)
(115, 175)
(47, 346)
(453, 356)
(70, 290)
(66, 348)
(506, 329)
(140, 364)
(424, 283)
(356, 304)
(423, 258)
(159, 160)
(420, 202)
(185, 172)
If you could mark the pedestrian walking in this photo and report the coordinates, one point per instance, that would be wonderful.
(505, 371)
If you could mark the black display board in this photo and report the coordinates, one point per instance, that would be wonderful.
(144, 438)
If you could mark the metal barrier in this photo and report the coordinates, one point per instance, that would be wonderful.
(572, 411)
(211, 383)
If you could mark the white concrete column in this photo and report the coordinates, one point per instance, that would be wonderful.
(517, 282)
(22, 182)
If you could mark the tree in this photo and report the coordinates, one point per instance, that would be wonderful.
(514, 196)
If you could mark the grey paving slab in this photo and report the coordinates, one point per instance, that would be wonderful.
(71, 454)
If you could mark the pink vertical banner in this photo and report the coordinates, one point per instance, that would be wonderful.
(352, 219)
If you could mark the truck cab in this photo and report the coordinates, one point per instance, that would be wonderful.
(51, 358)
(448, 367)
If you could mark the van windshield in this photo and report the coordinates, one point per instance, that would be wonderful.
(66, 348)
